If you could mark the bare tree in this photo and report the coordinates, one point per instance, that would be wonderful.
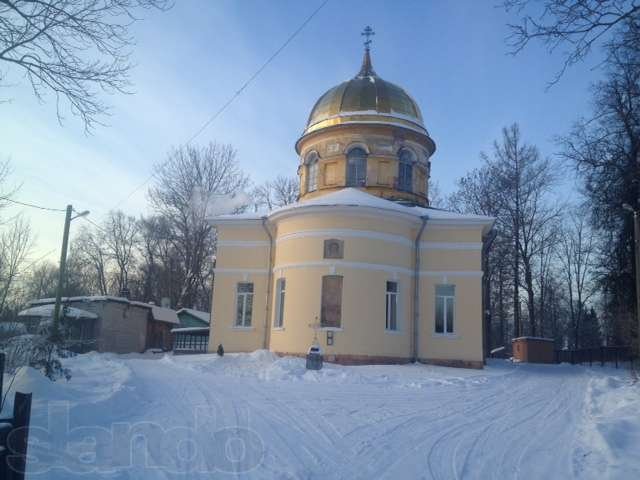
(605, 150)
(71, 48)
(5, 191)
(578, 25)
(88, 247)
(160, 273)
(276, 193)
(523, 180)
(544, 279)
(120, 238)
(188, 184)
(476, 193)
(513, 185)
(576, 259)
(40, 281)
(15, 244)
(436, 199)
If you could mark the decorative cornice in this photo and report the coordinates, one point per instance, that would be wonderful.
(242, 243)
(255, 271)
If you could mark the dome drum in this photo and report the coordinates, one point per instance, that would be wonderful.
(366, 133)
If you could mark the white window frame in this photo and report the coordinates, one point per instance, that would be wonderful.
(281, 287)
(388, 306)
(445, 326)
(245, 297)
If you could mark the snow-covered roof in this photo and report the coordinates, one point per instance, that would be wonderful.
(87, 298)
(353, 197)
(158, 313)
(204, 316)
(189, 329)
(542, 339)
(164, 315)
(46, 311)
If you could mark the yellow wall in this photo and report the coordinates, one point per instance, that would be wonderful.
(376, 250)
(466, 341)
(362, 330)
(223, 330)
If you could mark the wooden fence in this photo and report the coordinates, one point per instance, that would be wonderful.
(601, 355)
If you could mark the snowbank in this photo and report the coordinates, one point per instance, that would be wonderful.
(263, 365)
(610, 436)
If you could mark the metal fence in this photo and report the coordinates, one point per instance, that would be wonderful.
(597, 355)
(191, 342)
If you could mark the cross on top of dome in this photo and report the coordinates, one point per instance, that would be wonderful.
(367, 33)
(367, 69)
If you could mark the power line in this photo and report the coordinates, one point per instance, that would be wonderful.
(258, 72)
(40, 258)
(32, 205)
(87, 219)
(234, 96)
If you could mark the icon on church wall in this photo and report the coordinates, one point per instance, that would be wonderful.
(333, 248)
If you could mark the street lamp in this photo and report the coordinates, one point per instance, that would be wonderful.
(636, 240)
(63, 267)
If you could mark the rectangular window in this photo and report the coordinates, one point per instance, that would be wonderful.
(244, 304)
(280, 287)
(391, 322)
(445, 300)
(331, 308)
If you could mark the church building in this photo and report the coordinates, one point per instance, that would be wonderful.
(360, 264)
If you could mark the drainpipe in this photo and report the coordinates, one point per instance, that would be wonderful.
(416, 289)
(267, 307)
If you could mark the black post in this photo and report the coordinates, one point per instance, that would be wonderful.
(636, 254)
(591, 357)
(18, 438)
(616, 354)
(602, 356)
(1, 376)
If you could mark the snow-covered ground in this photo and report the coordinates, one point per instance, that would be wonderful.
(260, 416)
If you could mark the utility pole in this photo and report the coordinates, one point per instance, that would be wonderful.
(636, 254)
(55, 329)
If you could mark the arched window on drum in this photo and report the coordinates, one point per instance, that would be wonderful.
(312, 171)
(356, 167)
(405, 170)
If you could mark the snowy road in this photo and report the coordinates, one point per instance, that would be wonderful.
(257, 416)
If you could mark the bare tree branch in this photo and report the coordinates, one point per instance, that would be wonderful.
(575, 25)
(73, 49)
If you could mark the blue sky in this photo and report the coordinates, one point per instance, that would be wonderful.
(449, 55)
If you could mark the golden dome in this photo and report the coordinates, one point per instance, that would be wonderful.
(366, 98)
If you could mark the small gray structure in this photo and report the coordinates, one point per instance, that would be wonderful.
(113, 324)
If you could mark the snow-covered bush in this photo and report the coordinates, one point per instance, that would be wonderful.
(37, 349)
(45, 356)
